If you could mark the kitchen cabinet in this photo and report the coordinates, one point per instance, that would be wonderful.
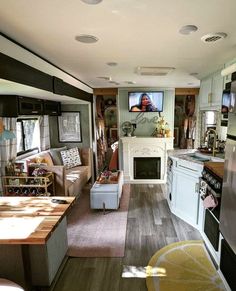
(30, 106)
(186, 198)
(51, 108)
(13, 106)
(228, 78)
(8, 106)
(184, 190)
(211, 89)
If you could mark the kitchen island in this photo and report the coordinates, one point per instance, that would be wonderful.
(190, 175)
(184, 171)
(33, 238)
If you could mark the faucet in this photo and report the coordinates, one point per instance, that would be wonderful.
(208, 132)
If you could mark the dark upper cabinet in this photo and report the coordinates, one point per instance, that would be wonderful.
(13, 106)
(29, 106)
(51, 107)
(8, 106)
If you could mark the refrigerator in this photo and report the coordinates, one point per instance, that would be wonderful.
(228, 200)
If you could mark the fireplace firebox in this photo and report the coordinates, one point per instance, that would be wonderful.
(147, 168)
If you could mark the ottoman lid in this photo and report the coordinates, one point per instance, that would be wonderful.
(104, 188)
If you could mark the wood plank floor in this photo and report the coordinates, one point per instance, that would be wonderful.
(150, 227)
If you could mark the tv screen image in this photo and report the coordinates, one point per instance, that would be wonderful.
(146, 101)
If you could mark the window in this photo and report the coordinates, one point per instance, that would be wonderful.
(27, 134)
(209, 120)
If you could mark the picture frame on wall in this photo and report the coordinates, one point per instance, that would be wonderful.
(69, 127)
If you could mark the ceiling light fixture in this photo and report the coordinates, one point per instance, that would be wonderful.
(105, 78)
(130, 82)
(193, 74)
(86, 38)
(153, 71)
(112, 64)
(188, 29)
(114, 82)
(91, 1)
(213, 37)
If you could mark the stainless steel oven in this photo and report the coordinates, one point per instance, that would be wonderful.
(211, 184)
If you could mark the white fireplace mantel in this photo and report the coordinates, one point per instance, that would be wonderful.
(144, 147)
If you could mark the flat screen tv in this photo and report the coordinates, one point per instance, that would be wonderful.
(146, 101)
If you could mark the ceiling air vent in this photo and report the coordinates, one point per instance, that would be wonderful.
(153, 71)
(213, 37)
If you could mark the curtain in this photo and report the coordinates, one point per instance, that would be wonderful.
(44, 132)
(8, 148)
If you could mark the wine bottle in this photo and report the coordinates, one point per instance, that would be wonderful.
(41, 191)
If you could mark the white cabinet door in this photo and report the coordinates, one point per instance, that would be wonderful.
(211, 89)
(205, 93)
(217, 89)
(186, 197)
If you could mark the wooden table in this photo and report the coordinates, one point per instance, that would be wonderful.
(30, 226)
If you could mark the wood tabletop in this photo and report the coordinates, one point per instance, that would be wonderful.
(216, 167)
(30, 220)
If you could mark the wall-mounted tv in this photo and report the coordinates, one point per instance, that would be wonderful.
(146, 101)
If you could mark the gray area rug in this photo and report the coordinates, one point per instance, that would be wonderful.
(92, 234)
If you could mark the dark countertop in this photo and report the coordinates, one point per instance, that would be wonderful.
(216, 167)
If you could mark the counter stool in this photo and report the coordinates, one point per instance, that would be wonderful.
(6, 285)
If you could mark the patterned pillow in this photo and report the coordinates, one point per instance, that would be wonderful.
(71, 158)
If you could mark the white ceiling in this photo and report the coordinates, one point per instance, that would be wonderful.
(131, 32)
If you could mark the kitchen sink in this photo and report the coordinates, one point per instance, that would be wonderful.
(197, 156)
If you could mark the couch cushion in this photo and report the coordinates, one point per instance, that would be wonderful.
(71, 158)
(76, 178)
(41, 158)
(56, 155)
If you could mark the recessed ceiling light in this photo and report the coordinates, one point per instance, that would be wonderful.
(114, 82)
(86, 38)
(213, 37)
(193, 74)
(130, 82)
(105, 78)
(91, 1)
(188, 29)
(112, 64)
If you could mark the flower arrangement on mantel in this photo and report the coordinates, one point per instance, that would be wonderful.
(162, 129)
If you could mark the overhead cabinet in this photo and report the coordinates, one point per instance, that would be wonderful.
(211, 92)
(51, 107)
(13, 106)
(28, 106)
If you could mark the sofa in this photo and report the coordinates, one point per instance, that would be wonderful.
(68, 181)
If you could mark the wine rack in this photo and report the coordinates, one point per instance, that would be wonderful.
(29, 185)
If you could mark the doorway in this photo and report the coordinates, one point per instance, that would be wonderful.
(106, 129)
(185, 118)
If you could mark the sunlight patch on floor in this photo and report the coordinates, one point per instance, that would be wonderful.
(142, 272)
